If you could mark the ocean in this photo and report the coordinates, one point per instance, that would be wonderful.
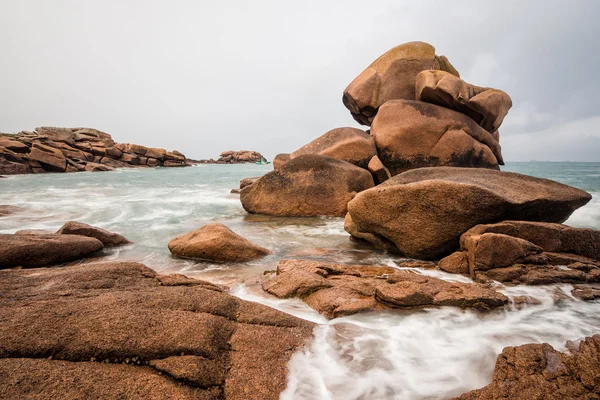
(426, 354)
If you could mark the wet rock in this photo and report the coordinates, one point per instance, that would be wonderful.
(308, 185)
(216, 242)
(108, 239)
(486, 106)
(93, 167)
(412, 134)
(280, 159)
(424, 212)
(392, 76)
(9, 210)
(347, 144)
(538, 371)
(378, 170)
(149, 340)
(336, 290)
(29, 251)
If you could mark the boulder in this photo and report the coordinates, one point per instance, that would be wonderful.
(425, 211)
(94, 167)
(216, 242)
(153, 152)
(248, 181)
(336, 290)
(280, 159)
(120, 331)
(308, 185)
(538, 371)
(486, 106)
(108, 239)
(378, 170)
(392, 76)
(411, 134)
(348, 144)
(13, 145)
(51, 159)
(30, 251)
(13, 168)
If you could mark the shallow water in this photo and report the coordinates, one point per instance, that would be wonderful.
(428, 354)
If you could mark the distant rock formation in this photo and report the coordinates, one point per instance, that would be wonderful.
(50, 149)
(235, 157)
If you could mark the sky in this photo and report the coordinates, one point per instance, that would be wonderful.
(203, 77)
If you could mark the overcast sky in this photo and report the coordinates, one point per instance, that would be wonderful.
(203, 77)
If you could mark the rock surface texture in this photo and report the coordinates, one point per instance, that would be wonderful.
(308, 185)
(336, 290)
(119, 330)
(50, 149)
(216, 242)
(424, 212)
(108, 239)
(538, 371)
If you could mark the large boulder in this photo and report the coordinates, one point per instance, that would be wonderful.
(121, 331)
(51, 158)
(486, 106)
(29, 251)
(108, 239)
(392, 76)
(348, 144)
(424, 212)
(215, 242)
(280, 159)
(308, 185)
(412, 134)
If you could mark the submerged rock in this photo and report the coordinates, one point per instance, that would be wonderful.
(336, 290)
(115, 330)
(108, 239)
(308, 185)
(216, 242)
(424, 212)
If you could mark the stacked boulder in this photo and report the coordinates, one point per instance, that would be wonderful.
(236, 157)
(50, 149)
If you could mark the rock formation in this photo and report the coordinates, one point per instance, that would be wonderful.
(236, 157)
(50, 149)
(108, 239)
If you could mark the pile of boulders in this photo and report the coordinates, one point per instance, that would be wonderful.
(49, 149)
(236, 157)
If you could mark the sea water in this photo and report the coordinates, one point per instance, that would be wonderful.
(426, 354)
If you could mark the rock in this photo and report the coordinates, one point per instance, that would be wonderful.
(308, 185)
(412, 134)
(159, 154)
(527, 252)
(9, 210)
(108, 239)
(13, 145)
(51, 158)
(280, 159)
(336, 290)
(13, 168)
(216, 242)
(392, 76)
(34, 232)
(424, 211)
(93, 167)
(347, 144)
(486, 106)
(248, 181)
(150, 340)
(29, 251)
(171, 164)
(538, 371)
(378, 170)
(130, 158)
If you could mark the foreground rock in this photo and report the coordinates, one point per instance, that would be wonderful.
(412, 134)
(347, 144)
(527, 252)
(538, 371)
(50, 149)
(38, 250)
(119, 330)
(108, 239)
(424, 212)
(308, 185)
(336, 290)
(392, 76)
(216, 242)
(486, 106)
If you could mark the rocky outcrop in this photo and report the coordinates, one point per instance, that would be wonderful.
(412, 134)
(528, 253)
(108, 239)
(424, 212)
(236, 157)
(308, 185)
(348, 144)
(392, 76)
(336, 290)
(38, 250)
(538, 371)
(119, 330)
(50, 149)
(216, 242)
(486, 106)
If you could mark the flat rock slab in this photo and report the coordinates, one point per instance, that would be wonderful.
(336, 290)
(119, 330)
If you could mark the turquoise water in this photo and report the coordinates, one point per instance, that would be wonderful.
(430, 354)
